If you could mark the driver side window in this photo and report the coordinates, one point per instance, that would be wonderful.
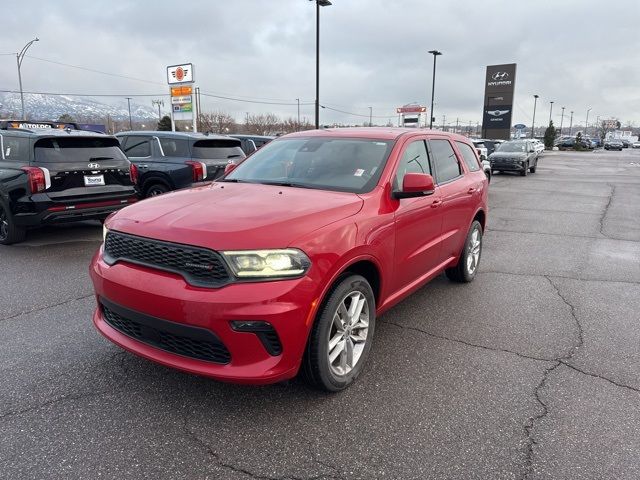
(414, 160)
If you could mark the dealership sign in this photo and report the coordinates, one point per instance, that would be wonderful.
(411, 109)
(177, 74)
(500, 81)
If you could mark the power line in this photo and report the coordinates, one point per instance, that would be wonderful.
(356, 114)
(253, 101)
(89, 94)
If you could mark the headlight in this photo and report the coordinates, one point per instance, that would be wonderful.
(267, 263)
(105, 230)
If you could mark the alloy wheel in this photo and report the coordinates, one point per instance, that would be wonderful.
(4, 224)
(473, 254)
(348, 333)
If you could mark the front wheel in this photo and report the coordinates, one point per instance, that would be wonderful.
(523, 172)
(341, 336)
(533, 169)
(9, 231)
(467, 266)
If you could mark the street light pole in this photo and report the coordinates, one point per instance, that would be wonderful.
(550, 111)
(298, 126)
(159, 102)
(435, 53)
(586, 122)
(129, 105)
(319, 3)
(533, 122)
(571, 123)
(19, 58)
(561, 121)
(370, 116)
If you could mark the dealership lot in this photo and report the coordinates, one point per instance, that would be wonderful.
(531, 371)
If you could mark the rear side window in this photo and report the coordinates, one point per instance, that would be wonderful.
(469, 157)
(174, 147)
(77, 149)
(137, 147)
(447, 166)
(16, 149)
(217, 149)
(414, 160)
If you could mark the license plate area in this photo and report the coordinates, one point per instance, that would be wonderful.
(93, 180)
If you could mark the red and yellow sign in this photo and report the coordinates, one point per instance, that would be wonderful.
(181, 91)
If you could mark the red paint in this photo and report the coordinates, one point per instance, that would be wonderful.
(408, 241)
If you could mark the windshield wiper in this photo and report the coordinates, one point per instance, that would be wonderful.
(233, 180)
(287, 184)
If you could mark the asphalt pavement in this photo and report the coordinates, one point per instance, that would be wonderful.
(531, 371)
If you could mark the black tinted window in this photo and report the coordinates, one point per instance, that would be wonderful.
(16, 149)
(138, 147)
(78, 149)
(174, 147)
(447, 166)
(217, 149)
(414, 160)
(469, 157)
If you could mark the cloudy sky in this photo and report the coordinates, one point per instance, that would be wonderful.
(578, 53)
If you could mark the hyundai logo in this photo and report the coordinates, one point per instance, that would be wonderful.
(500, 76)
(94, 165)
(497, 113)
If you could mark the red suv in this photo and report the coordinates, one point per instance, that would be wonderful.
(285, 263)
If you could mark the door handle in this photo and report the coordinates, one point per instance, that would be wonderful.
(436, 203)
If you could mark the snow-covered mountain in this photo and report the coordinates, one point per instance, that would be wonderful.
(83, 109)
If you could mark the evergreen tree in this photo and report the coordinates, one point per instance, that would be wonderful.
(164, 125)
(549, 136)
(66, 118)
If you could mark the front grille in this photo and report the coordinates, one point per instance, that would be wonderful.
(192, 342)
(199, 266)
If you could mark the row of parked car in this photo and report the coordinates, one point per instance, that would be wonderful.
(50, 174)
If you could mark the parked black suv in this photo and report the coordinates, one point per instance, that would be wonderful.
(49, 175)
(172, 160)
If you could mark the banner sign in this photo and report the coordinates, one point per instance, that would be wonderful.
(499, 88)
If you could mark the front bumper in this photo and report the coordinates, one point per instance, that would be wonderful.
(287, 305)
(516, 166)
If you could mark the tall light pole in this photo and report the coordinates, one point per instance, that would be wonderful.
(298, 126)
(586, 122)
(129, 105)
(319, 3)
(19, 58)
(533, 122)
(160, 103)
(571, 123)
(370, 116)
(550, 111)
(435, 53)
(561, 121)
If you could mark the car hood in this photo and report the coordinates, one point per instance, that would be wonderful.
(496, 155)
(228, 216)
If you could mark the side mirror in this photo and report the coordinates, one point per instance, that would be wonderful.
(230, 167)
(416, 185)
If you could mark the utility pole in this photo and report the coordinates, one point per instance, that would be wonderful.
(457, 123)
(444, 119)
(370, 116)
(586, 122)
(159, 103)
(571, 123)
(298, 126)
(129, 105)
(561, 121)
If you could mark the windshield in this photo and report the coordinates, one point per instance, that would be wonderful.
(77, 149)
(512, 147)
(338, 164)
(218, 149)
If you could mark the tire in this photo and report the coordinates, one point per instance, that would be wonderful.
(533, 169)
(317, 365)
(465, 270)
(155, 189)
(488, 175)
(523, 173)
(9, 231)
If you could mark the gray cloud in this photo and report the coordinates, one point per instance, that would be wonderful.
(579, 54)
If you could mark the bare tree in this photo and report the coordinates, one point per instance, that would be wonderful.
(216, 122)
(262, 124)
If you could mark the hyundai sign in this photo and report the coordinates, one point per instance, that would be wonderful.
(499, 86)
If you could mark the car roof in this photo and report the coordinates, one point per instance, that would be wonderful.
(52, 132)
(184, 135)
(377, 133)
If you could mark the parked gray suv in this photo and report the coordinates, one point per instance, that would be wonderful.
(172, 160)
